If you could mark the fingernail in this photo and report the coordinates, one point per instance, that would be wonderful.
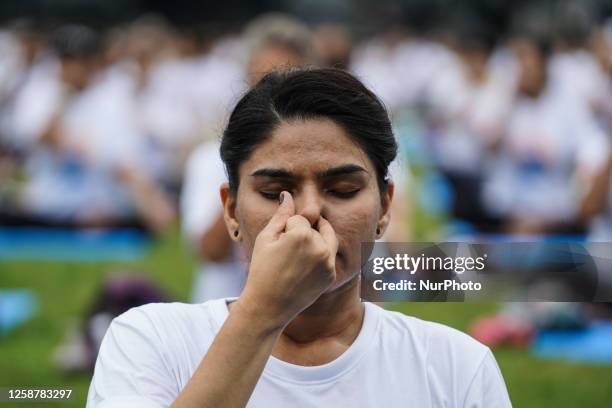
(281, 197)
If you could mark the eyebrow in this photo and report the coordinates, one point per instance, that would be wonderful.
(345, 169)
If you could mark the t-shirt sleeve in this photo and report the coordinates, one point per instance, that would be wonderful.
(487, 388)
(131, 370)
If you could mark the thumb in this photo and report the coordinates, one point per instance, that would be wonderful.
(285, 210)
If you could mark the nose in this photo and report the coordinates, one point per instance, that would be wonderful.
(309, 204)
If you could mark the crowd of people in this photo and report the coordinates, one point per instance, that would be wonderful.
(122, 127)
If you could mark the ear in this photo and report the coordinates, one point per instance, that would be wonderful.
(385, 210)
(229, 212)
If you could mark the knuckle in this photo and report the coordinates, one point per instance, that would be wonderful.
(300, 235)
(297, 219)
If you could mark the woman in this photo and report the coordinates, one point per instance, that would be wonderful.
(306, 154)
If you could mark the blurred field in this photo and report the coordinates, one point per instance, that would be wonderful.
(66, 289)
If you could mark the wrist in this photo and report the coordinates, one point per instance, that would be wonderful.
(262, 316)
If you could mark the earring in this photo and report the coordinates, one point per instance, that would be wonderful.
(377, 231)
(236, 233)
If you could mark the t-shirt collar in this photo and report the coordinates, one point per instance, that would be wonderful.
(293, 373)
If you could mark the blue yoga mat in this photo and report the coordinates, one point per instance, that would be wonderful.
(592, 345)
(17, 306)
(84, 245)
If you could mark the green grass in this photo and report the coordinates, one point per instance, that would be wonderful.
(65, 290)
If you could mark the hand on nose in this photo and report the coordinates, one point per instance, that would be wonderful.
(292, 264)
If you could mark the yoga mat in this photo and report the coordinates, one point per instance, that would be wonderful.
(592, 345)
(82, 245)
(17, 306)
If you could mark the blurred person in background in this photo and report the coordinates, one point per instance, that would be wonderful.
(575, 71)
(468, 111)
(601, 46)
(402, 62)
(166, 78)
(273, 42)
(21, 46)
(184, 91)
(550, 153)
(147, 71)
(377, 61)
(333, 45)
(59, 73)
(596, 208)
(32, 88)
(87, 166)
(276, 41)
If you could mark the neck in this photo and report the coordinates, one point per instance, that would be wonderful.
(324, 330)
(337, 314)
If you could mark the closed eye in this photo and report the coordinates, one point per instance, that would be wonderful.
(274, 195)
(344, 194)
(270, 195)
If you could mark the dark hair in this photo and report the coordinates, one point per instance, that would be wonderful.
(305, 94)
(540, 41)
(76, 41)
(474, 33)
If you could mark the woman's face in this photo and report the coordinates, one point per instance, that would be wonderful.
(327, 174)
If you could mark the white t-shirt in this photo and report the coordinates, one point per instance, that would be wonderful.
(474, 116)
(577, 75)
(98, 136)
(551, 150)
(149, 354)
(36, 103)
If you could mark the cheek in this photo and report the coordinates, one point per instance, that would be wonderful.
(253, 217)
(355, 223)
(352, 228)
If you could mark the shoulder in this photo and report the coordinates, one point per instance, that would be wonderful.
(430, 335)
(167, 334)
(449, 355)
(149, 353)
(456, 366)
(172, 330)
(168, 317)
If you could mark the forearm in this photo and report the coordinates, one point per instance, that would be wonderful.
(233, 364)
(150, 201)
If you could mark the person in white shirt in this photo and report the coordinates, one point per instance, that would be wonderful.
(551, 151)
(468, 110)
(307, 155)
(88, 167)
